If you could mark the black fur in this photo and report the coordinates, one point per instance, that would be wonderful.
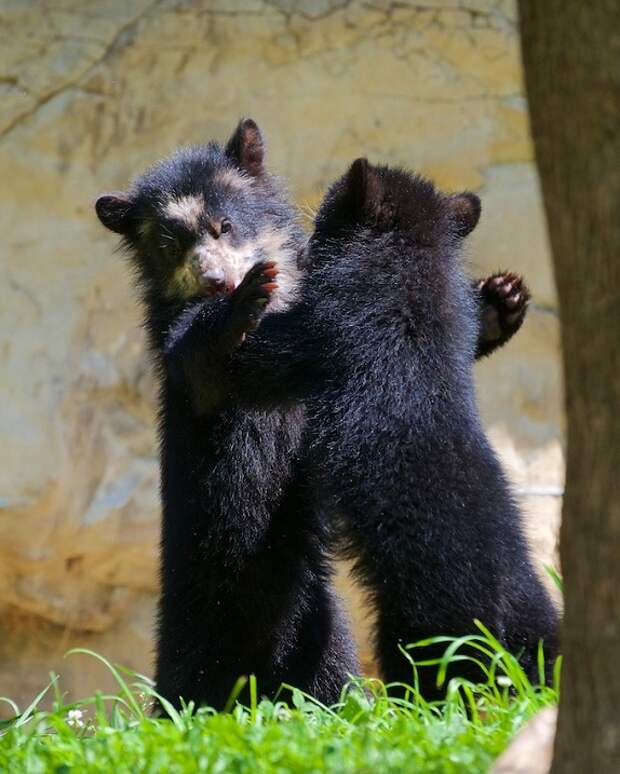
(381, 346)
(245, 585)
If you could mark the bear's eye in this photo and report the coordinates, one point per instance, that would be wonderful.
(225, 226)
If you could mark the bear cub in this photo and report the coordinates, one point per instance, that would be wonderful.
(381, 345)
(245, 580)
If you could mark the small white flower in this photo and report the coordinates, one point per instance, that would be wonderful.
(283, 713)
(74, 718)
(504, 681)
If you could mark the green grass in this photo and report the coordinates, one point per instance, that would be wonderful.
(366, 732)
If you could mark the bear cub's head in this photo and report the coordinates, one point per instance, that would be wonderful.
(399, 208)
(195, 223)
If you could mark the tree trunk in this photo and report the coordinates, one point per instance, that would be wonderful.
(571, 52)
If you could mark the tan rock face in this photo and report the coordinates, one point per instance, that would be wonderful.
(91, 94)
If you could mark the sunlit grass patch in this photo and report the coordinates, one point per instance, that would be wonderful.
(367, 731)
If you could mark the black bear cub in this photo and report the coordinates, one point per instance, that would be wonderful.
(381, 345)
(245, 582)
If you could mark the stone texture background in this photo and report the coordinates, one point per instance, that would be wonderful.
(91, 92)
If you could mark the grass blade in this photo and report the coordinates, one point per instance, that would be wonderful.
(125, 690)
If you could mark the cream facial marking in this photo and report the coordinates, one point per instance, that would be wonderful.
(216, 258)
(276, 245)
(187, 209)
(215, 266)
(234, 179)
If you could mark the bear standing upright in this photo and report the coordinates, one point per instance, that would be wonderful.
(245, 582)
(381, 345)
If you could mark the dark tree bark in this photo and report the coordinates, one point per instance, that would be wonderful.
(571, 52)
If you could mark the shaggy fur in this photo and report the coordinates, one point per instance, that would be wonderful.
(381, 346)
(245, 585)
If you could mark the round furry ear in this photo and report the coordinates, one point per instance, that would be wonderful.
(357, 180)
(246, 147)
(114, 211)
(364, 189)
(465, 208)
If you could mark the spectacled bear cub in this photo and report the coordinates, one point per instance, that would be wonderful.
(245, 583)
(380, 344)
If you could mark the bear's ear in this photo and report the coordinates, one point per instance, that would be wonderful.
(114, 211)
(465, 210)
(246, 147)
(364, 190)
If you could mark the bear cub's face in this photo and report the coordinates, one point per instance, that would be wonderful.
(197, 222)
(371, 202)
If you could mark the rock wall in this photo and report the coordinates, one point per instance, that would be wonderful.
(94, 91)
